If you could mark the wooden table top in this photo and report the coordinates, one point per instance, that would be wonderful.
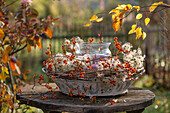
(135, 99)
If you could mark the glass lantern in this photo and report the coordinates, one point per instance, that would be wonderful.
(95, 51)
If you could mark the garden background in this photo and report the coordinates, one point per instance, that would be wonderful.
(74, 14)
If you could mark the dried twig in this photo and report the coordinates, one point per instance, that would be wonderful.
(12, 84)
(18, 50)
(10, 4)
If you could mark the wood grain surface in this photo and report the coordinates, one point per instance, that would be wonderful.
(136, 100)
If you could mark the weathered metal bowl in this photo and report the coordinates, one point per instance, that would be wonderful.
(93, 87)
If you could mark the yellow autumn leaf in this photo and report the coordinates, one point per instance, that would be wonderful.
(147, 20)
(5, 41)
(137, 8)
(154, 5)
(14, 86)
(116, 25)
(144, 35)
(133, 29)
(99, 19)
(39, 44)
(139, 16)
(5, 70)
(5, 56)
(122, 13)
(138, 32)
(87, 25)
(128, 6)
(49, 33)
(114, 11)
(28, 47)
(2, 34)
(121, 7)
(94, 17)
(3, 76)
(114, 17)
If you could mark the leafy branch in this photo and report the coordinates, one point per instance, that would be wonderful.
(18, 50)
(123, 11)
(25, 32)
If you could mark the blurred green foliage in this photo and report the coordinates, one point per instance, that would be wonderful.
(27, 109)
(162, 95)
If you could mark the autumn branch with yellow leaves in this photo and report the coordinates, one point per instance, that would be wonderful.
(123, 11)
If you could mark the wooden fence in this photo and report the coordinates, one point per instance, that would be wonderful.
(155, 46)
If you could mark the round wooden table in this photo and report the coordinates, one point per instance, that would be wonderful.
(135, 101)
